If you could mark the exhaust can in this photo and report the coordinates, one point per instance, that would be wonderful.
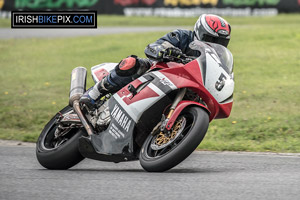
(78, 84)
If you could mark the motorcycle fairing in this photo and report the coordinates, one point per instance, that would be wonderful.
(216, 64)
(218, 82)
(116, 138)
(155, 86)
(116, 143)
(102, 70)
(212, 72)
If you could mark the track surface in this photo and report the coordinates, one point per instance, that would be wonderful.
(7, 33)
(204, 175)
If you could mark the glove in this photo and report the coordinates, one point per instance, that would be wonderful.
(173, 51)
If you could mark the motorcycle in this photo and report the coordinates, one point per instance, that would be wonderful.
(159, 118)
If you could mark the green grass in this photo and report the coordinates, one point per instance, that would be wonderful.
(35, 78)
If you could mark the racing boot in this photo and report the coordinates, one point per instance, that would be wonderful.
(92, 95)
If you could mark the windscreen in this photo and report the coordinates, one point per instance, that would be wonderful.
(223, 53)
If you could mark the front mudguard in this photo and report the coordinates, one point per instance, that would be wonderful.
(182, 105)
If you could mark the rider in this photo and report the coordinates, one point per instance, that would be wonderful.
(208, 28)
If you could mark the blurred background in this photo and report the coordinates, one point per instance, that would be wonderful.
(162, 8)
(35, 65)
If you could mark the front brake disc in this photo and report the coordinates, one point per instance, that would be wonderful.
(162, 140)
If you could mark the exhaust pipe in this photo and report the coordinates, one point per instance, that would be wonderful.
(78, 84)
(82, 118)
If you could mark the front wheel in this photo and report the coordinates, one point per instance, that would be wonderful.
(62, 152)
(162, 152)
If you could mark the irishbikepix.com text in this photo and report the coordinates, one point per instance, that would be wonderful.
(54, 19)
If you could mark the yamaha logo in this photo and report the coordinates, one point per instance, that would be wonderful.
(121, 118)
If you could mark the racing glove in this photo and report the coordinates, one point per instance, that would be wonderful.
(174, 51)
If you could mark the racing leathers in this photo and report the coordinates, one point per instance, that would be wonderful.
(176, 40)
(174, 43)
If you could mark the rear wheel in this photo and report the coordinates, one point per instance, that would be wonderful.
(161, 152)
(61, 152)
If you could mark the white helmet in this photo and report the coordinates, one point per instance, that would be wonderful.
(212, 28)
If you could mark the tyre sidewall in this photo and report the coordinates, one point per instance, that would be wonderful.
(62, 157)
(185, 147)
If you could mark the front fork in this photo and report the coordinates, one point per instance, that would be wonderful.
(177, 99)
(176, 108)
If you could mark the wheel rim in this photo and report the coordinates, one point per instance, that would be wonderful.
(155, 151)
(49, 142)
(162, 140)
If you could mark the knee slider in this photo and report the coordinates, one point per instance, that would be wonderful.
(128, 66)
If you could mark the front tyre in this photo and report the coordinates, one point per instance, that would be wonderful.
(58, 153)
(160, 152)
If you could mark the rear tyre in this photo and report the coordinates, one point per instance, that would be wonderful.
(60, 153)
(158, 156)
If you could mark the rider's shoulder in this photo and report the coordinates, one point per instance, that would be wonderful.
(182, 34)
(182, 31)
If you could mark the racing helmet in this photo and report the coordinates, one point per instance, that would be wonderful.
(212, 28)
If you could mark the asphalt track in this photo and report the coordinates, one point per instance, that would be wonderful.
(8, 33)
(204, 175)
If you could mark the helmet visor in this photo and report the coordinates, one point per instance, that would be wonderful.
(218, 40)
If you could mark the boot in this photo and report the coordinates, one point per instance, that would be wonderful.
(92, 95)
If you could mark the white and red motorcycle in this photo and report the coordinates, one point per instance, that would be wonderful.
(160, 118)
